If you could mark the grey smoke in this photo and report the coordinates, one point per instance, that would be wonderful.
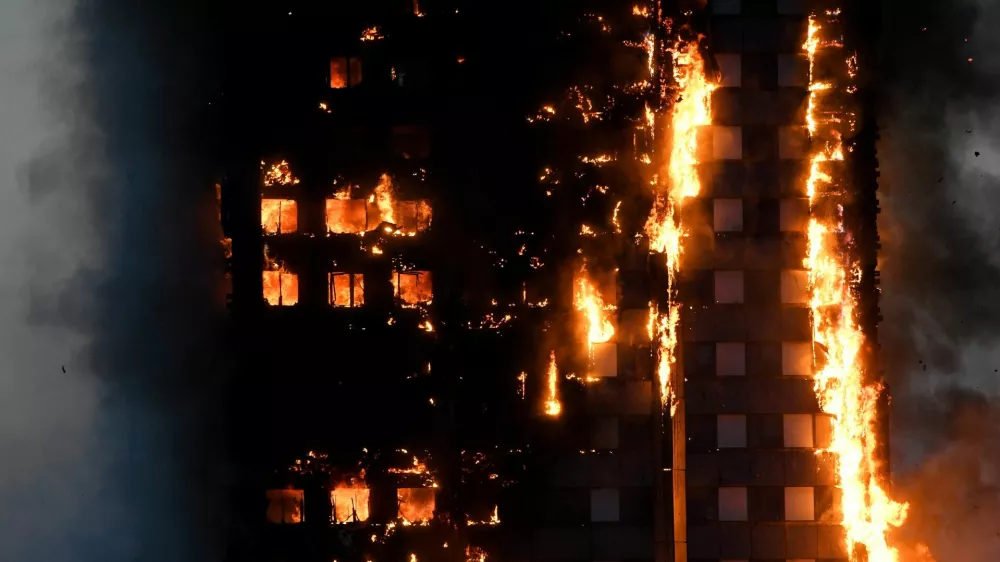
(109, 268)
(940, 267)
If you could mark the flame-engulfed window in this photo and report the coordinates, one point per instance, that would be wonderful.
(413, 216)
(345, 72)
(346, 216)
(412, 288)
(279, 216)
(281, 288)
(346, 290)
(285, 506)
(416, 505)
(350, 503)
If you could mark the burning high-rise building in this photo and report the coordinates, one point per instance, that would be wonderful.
(558, 283)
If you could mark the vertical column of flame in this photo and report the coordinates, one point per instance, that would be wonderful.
(596, 314)
(868, 512)
(382, 197)
(552, 405)
(691, 110)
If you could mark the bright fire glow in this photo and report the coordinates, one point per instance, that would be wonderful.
(416, 505)
(868, 512)
(413, 288)
(691, 110)
(371, 34)
(281, 288)
(552, 405)
(382, 197)
(597, 315)
(279, 174)
(350, 502)
(279, 216)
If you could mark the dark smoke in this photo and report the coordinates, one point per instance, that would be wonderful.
(112, 273)
(940, 192)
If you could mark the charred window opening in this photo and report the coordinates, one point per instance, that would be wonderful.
(412, 288)
(413, 216)
(349, 503)
(346, 216)
(416, 505)
(279, 216)
(346, 290)
(285, 506)
(345, 72)
(281, 288)
(411, 142)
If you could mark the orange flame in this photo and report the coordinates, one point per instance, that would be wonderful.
(382, 197)
(596, 314)
(868, 513)
(691, 110)
(552, 405)
(281, 287)
(279, 174)
(349, 501)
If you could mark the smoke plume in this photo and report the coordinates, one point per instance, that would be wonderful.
(111, 320)
(940, 161)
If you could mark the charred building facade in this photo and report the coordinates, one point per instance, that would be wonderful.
(462, 337)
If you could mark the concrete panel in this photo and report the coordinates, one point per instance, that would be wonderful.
(830, 541)
(622, 542)
(728, 110)
(725, 7)
(760, 35)
(801, 468)
(768, 541)
(727, 34)
(736, 545)
(704, 540)
(791, 7)
(793, 71)
(637, 468)
(801, 541)
(703, 469)
(730, 69)
(604, 433)
(562, 544)
(795, 323)
(605, 470)
(767, 467)
(734, 467)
